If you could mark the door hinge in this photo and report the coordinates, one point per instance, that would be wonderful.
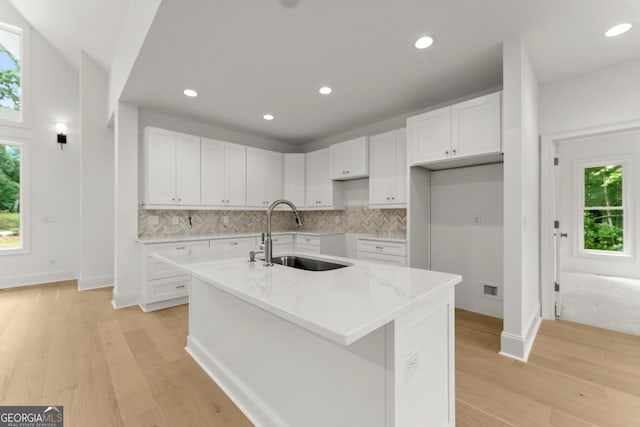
(556, 224)
(556, 161)
(557, 286)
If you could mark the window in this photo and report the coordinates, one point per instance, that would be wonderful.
(11, 219)
(604, 209)
(10, 73)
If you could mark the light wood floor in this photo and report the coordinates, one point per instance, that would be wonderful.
(123, 367)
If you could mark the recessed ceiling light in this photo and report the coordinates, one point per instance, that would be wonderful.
(423, 42)
(190, 93)
(618, 29)
(268, 117)
(325, 90)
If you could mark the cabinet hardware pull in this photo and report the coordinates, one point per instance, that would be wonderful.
(447, 153)
(379, 248)
(181, 248)
(393, 198)
(454, 152)
(181, 286)
(234, 243)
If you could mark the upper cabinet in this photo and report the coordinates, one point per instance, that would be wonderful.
(172, 168)
(321, 191)
(388, 170)
(459, 135)
(294, 178)
(224, 173)
(264, 177)
(350, 159)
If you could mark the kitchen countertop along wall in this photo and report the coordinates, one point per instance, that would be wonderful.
(354, 219)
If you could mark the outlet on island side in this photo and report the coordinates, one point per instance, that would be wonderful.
(175, 220)
(225, 220)
(411, 364)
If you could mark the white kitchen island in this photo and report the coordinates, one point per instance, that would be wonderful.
(366, 345)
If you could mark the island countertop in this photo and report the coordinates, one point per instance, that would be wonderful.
(341, 305)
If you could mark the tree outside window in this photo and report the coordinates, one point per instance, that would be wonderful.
(604, 210)
(10, 220)
(10, 73)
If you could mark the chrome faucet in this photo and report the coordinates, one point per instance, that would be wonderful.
(268, 243)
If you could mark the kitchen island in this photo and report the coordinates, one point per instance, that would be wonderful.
(365, 345)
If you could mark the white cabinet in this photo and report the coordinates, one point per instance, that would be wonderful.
(164, 286)
(388, 170)
(223, 173)
(233, 247)
(322, 192)
(264, 177)
(172, 168)
(350, 159)
(330, 244)
(294, 179)
(383, 251)
(462, 134)
(282, 243)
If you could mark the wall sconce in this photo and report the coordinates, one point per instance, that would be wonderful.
(62, 134)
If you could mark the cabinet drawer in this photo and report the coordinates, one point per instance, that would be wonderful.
(281, 239)
(157, 269)
(166, 289)
(386, 248)
(307, 240)
(232, 248)
(310, 249)
(381, 258)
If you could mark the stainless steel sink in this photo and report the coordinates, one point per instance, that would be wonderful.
(309, 264)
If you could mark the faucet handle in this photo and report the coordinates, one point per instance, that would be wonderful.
(263, 238)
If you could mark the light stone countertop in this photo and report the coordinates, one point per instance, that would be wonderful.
(341, 305)
(231, 236)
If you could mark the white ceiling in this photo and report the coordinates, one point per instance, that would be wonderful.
(75, 25)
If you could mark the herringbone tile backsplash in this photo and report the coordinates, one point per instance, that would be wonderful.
(354, 219)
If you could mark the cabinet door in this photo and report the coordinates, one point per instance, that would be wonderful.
(338, 154)
(358, 158)
(188, 169)
(429, 136)
(383, 163)
(235, 174)
(256, 160)
(212, 161)
(325, 182)
(314, 176)
(477, 126)
(401, 169)
(160, 167)
(294, 179)
(274, 177)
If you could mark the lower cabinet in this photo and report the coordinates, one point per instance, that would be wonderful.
(332, 244)
(383, 251)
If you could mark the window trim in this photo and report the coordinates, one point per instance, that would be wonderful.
(25, 200)
(627, 207)
(25, 77)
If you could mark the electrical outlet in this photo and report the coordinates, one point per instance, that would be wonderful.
(52, 262)
(477, 220)
(225, 220)
(411, 364)
(175, 220)
(153, 220)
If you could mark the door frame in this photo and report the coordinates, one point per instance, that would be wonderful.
(549, 203)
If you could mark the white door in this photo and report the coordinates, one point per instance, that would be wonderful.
(160, 167)
(256, 160)
(294, 178)
(476, 126)
(212, 162)
(429, 136)
(314, 178)
(358, 157)
(339, 160)
(235, 174)
(325, 181)
(274, 177)
(599, 266)
(400, 169)
(188, 169)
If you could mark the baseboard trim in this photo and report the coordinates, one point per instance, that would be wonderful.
(122, 301)
(163, 304)
(517, 347)
(95, 282)
(36, 279)
(251, 405)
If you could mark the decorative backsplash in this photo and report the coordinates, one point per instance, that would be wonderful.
(354, 219)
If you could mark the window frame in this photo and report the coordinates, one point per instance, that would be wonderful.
(25, 202)
(627, 207)
(25, 75)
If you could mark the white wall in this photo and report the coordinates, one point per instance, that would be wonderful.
(137, 23)
(178, 124)
(52, 96)
(521, 202)
(462, 246)
(605, 96)
(96, 257)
